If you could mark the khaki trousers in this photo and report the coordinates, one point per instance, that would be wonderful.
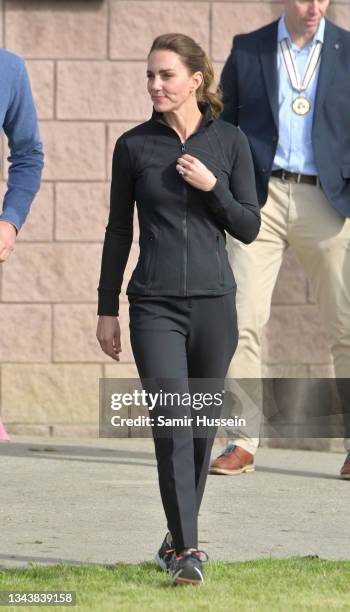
(299, 216)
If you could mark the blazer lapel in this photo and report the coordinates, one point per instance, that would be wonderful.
(268, 56)
(330, 53)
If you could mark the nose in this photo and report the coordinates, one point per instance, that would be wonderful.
(314, 7)
(157, 83)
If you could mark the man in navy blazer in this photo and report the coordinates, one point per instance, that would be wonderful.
(287, 87)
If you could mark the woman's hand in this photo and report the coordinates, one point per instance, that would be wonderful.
(195, 173)
(108, 335)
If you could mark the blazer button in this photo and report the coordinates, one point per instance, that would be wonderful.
(274, 138)
(263, 170)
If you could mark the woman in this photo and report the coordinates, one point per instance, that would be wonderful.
(192, 178)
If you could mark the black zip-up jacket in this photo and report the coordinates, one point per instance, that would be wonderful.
(182, 229)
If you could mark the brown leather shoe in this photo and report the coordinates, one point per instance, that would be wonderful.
(234, 460)
(345, 471)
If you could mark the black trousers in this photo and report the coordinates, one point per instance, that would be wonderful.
(175, 342)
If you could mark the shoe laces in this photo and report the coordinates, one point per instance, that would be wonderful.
(200, 555)
(170, 548)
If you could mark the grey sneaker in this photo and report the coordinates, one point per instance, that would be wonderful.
(187, 567)
(165, 555)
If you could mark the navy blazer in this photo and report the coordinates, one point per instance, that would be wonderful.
(250, 86)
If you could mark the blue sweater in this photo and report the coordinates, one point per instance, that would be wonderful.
(19, 121)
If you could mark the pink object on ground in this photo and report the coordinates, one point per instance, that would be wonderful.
(4, 437)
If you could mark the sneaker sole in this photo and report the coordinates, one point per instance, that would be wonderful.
(247, 469)
(161, 563)
(196, 581)
(345, 476)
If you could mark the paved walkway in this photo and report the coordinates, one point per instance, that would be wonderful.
(97, 501)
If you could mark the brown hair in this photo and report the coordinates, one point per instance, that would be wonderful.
(196, 60)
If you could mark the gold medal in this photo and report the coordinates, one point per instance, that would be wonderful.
(301, 105)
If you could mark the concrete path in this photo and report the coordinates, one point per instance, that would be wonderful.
(97, 501)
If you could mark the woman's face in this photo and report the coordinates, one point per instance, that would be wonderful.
(168, 81)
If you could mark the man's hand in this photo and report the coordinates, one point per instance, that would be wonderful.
(194, 172)
(7, 239)
(108, 335)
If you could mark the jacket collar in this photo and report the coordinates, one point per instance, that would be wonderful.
(268, 55)
(330, 58)
(204, 107)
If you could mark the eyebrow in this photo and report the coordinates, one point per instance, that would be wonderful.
(162, 70)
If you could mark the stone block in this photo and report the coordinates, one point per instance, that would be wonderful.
(81, 211)
(102, 90)
(134, 25)
(295, 335)
(50, 394)
(115, 130)
(65, 29)
(291, 286)
(39, 223)
(218, 67)
(339, 13)
(234, 18)
(25, 332)
(28, 430)
(74, 151)
(120, 370)
(41, 74)
(75, 334)
(59, 272)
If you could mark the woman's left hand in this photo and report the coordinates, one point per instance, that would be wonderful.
(195, 173)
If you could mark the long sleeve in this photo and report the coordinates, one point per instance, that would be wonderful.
(236, 207)
(229, 88)
(26, 152)
(119, 231)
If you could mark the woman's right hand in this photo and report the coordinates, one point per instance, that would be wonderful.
(108, 335)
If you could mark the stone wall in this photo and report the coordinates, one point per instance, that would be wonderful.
(86, 61)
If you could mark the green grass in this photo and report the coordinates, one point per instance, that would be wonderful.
(295, 584)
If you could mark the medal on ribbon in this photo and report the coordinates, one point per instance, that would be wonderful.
(301, 104)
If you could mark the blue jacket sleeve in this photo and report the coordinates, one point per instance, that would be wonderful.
(26, 151)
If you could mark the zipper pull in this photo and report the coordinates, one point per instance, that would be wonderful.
(183, 148)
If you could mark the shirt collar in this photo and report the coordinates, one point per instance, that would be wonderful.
(283, 32)
(204, 107)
